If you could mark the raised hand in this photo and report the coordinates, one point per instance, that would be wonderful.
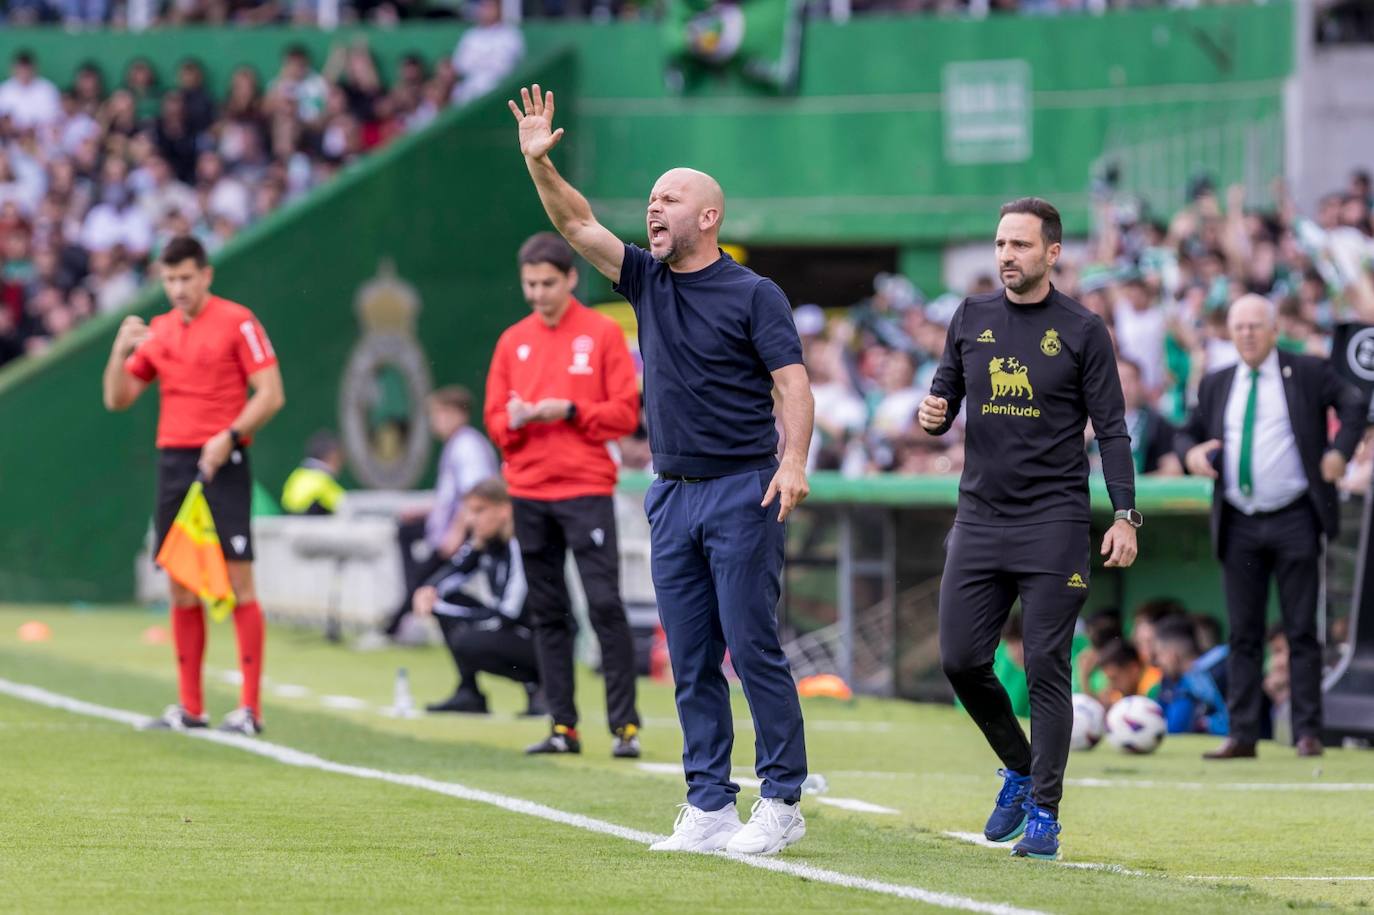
(132, 333)
(537, 135)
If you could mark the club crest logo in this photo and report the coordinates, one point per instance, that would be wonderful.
(1049, 344)
(386, 381)
(239, 542)
(987, 337)
(522, 352)
(582, 355)
(1076, 581)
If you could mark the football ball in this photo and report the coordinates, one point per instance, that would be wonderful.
(1089, 722)
(1136, 724)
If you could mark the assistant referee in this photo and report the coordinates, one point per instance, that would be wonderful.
(205, 353)
(1034, 366)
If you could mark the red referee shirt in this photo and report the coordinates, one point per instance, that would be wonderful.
(584, 359)
(203, 367)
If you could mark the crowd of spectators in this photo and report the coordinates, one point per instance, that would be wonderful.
(137, 15)
(95, 178)
(1339, 20)
(1172, 655)
(1163, 288)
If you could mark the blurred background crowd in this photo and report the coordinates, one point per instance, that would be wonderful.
(95, 178)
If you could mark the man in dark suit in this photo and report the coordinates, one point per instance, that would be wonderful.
(1260, 430)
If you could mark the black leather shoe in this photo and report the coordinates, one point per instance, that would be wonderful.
(1233, 749)
(463, 701)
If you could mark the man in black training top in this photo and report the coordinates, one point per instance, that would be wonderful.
(1034, 366)
(478, 597)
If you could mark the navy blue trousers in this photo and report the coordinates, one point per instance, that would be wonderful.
(717, 569)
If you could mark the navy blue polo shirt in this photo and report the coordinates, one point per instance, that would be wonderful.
(709, 340)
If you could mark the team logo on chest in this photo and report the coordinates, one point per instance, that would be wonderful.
(1049, 344)
(1010, 381)
(986, 336)
(582, 355)
(522, 352)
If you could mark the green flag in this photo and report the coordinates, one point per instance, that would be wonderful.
(759, 40)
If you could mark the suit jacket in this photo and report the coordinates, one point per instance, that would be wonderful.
(1311, 386)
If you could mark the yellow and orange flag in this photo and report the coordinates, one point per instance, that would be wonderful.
(191, 554)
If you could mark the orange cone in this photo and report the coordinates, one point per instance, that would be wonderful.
(35, 631)
(827, 685)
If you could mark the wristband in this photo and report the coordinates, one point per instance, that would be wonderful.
(572, 411)
(235, 437)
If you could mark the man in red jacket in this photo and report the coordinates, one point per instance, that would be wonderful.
(560, 389)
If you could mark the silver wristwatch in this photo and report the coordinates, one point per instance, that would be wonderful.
(1130, 516)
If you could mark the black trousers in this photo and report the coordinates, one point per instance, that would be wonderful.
(1285, 545)
(506, 652)
(415, 571)
(586, 525)
(986, 568)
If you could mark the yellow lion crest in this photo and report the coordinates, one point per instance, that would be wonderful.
(1009, 378)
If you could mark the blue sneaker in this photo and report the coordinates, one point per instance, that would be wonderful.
(1008, 820)
(1042, 835)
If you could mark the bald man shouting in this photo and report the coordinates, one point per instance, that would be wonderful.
(716, 338)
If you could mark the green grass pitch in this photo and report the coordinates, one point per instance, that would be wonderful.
(100, 818)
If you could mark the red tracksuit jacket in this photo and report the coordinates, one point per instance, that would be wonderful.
(584, 359)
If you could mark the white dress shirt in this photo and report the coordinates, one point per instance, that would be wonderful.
(1275, 465)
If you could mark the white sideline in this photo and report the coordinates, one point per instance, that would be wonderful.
(1146, 784)
(292, 757)
(974, 838)
(1318, 879)
(1219, 786)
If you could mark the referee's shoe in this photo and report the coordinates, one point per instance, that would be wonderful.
(175, 718)
(241, 721)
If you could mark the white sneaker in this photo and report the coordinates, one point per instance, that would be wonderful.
(773, 825)
(240, 721)
(700, 830)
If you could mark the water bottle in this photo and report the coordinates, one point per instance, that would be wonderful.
(402, 704)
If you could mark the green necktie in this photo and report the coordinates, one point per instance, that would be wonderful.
(1247, 435)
